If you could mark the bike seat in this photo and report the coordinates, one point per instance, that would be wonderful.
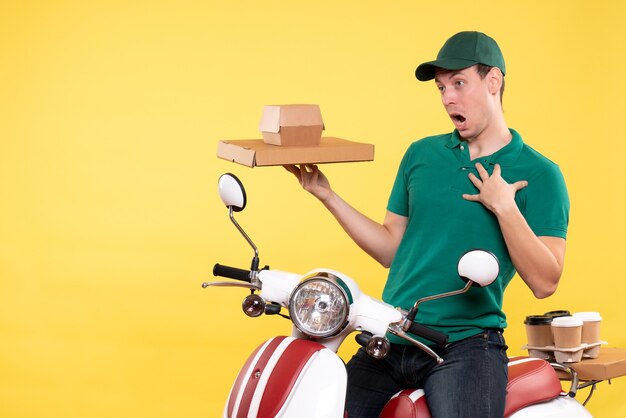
(408, 403)
(531, 381)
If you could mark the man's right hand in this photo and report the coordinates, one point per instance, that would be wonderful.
(312, 180)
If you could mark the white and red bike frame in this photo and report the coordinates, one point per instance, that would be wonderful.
(302, 376)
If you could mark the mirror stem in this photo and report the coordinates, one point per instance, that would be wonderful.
(255, 264)
(413, 312)
(255, 260)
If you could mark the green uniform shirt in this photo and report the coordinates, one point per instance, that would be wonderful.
(442, 226)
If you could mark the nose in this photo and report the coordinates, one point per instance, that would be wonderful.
(448, 97)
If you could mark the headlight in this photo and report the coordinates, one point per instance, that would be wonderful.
(319, 305)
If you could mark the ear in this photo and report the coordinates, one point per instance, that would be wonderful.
(494, 80)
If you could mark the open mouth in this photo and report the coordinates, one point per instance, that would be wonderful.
(457, 118)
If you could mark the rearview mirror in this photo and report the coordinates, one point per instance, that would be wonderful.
(232, 192)
(479, 266)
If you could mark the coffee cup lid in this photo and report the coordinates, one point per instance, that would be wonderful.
(567, 321)
(537, 320)
(554, 314)
(588, 316)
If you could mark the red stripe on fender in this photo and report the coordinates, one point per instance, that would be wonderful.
(285, 375)
(237, 386)
(248, 382)
(238, 381)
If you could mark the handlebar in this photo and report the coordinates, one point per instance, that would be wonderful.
(437, 337)
(231, 272)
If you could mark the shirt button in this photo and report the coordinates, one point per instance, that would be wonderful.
(464, 168)
(462, 147)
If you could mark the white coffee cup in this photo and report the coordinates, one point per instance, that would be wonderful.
(591, 326)
(567, 331)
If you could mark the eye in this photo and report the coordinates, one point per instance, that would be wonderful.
(441, 88)
(459, 83)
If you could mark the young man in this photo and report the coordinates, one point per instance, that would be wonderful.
(479, 186)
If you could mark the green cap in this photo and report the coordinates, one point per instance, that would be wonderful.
(461, 51)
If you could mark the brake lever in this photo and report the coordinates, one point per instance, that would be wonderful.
(231, 284)
(398, 331)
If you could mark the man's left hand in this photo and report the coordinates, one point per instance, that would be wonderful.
(493, 191)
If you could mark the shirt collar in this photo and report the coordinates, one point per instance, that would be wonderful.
(505, 156)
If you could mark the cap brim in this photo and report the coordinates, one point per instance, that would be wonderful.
(427, 70)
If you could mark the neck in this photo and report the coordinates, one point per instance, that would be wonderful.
(493, 138)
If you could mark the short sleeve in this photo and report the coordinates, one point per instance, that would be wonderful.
(547, 203)
(399, 199)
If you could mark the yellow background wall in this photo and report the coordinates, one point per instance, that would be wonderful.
(110, 112)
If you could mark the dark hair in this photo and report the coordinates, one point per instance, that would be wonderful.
(483, 70)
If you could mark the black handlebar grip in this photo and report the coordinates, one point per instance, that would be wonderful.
(430, 334)
(231, 272)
